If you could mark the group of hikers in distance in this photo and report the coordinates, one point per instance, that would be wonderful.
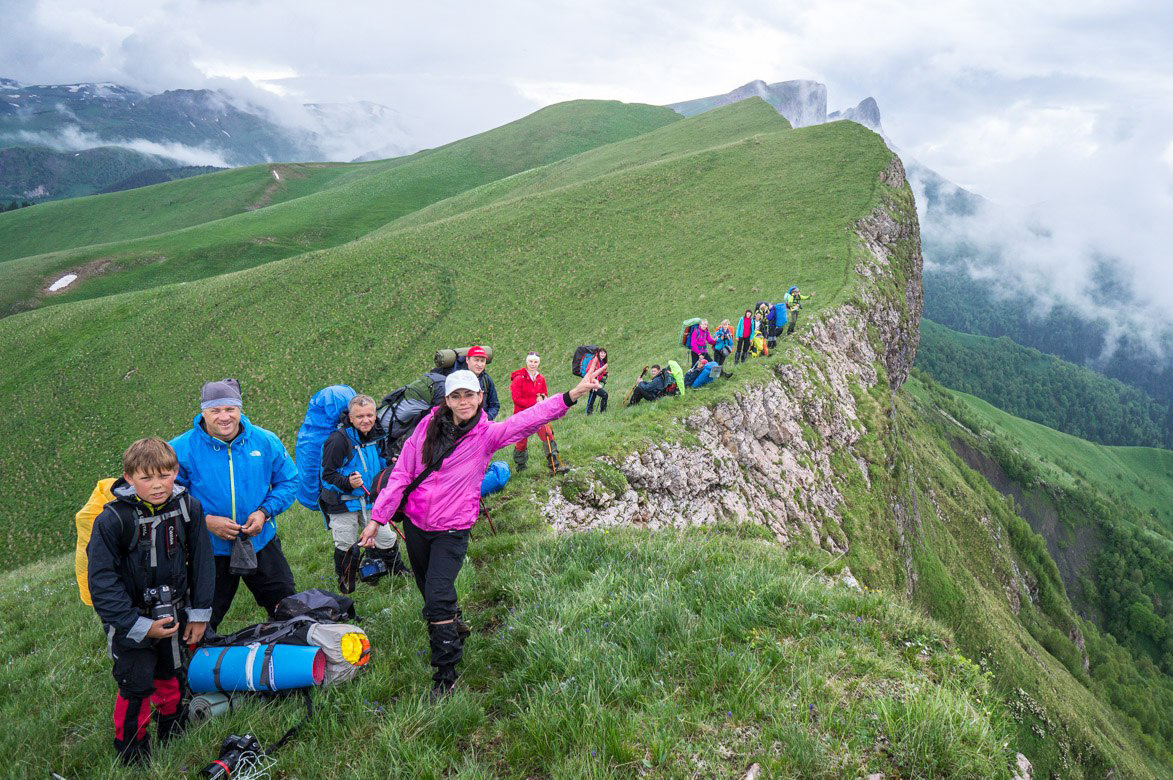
(196, 516)
(755, 334)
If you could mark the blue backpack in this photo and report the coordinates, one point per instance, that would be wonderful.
(321, 418)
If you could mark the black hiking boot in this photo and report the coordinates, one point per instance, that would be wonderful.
(346, 567)
(171, 726)
(556, 466)
(447, 646)
(441, 690)
(391, 557)
(134, 752)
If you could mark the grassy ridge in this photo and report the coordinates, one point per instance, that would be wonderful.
(146, 211)
(1124, 571)
(601, 262)
(686, 654)
(356, 205)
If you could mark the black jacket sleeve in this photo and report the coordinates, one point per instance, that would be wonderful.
(108, 587)
(492, 405)
(335, 453)
(202, 572)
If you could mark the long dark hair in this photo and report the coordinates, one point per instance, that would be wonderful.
(441, 419)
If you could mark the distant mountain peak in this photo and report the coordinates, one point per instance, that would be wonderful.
(867, 113)
(9, 84)
(801, 101)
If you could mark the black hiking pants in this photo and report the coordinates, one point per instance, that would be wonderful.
(436, 558)
(742, 350)
(271, 582)
(599, 394)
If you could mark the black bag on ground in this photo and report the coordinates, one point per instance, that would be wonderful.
(318, 604)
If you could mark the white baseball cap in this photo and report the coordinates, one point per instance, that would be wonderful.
(461, 380)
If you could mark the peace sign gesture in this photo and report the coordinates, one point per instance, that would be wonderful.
(590, 381)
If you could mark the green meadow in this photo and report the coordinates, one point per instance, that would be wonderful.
(313, 207)
(678, 654)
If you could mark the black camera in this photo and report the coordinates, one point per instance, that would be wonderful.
(159, 602)
(372, 570)
(232, 750)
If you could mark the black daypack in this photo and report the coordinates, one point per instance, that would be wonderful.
(580, 355)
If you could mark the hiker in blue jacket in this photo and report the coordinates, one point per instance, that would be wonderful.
(244, 478)
(351, 459)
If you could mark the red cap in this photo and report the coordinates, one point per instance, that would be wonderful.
(476, 352)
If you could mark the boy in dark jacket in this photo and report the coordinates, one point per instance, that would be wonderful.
(151, 577)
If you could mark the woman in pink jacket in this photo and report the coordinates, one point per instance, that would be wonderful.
(701, 341)
(435, 492)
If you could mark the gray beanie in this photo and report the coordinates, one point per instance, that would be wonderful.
(226, 392)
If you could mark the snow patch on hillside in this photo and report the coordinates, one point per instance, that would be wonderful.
(63, 282)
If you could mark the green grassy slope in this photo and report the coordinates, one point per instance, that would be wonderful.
(1140, 477)
(601, 655)
(146, 211)
(552, 272)
(354, 207)
(1111, 557)
(1043, 388)
(641, 636)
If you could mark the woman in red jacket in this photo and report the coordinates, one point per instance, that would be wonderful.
(528, 386)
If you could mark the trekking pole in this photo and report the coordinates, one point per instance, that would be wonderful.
(489, 517)
(363, 506)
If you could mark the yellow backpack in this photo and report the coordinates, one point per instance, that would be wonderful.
(84, 520)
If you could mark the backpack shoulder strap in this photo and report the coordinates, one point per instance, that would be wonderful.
(425, 473)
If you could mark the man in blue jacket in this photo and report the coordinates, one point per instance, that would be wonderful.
(244, 478)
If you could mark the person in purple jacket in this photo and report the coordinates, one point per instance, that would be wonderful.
(435, 492)
(701, 341)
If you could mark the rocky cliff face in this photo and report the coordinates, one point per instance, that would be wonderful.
(766, 457)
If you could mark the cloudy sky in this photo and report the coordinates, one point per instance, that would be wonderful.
(1068, 105)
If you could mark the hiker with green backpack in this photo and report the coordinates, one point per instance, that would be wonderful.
(700, 341)
(652, 389)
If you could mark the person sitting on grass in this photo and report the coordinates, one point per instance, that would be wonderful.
(434, 491)
(351, 459)
(652, 389)
(151, 537)
(701, 341)
(701, 374)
